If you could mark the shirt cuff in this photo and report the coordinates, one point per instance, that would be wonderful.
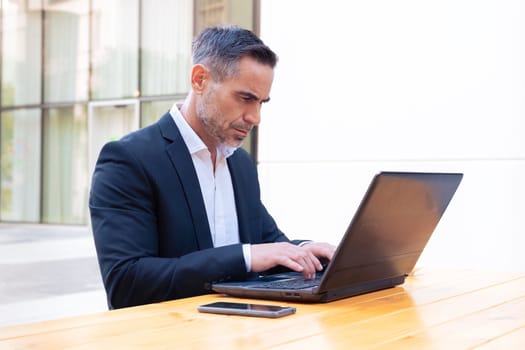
(303, 243)
(247, 252)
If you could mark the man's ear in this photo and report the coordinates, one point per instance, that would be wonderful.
(200, 77)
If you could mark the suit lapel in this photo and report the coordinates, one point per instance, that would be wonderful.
(181, 160)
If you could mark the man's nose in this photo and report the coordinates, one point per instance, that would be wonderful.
(253, 116)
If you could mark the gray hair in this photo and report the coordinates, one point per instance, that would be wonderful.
(221, 48)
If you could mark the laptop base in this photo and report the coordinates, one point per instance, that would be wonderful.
(310, 295)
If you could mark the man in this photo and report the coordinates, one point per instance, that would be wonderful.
(176, 206)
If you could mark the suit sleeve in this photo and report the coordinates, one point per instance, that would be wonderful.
(124, 219)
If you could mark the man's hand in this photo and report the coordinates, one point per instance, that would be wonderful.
(303, 259)
(321, 250)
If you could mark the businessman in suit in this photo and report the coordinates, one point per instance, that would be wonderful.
(176, 206)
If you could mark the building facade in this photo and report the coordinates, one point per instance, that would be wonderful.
(76, 74)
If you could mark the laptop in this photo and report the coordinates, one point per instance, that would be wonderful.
(380, 247)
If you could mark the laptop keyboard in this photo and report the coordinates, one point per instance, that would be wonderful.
(292, 283)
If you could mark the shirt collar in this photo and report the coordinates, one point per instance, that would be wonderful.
(225, 150)
(190, 137)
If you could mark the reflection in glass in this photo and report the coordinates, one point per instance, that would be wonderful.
(151, 111)
(21, 52)
(65, 176)
(66, 54)
(222, 12)
(20, 161)
(166, 46)
(115, 49)
(109, 122)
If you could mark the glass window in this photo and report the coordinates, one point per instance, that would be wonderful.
(151, 111)
(220, 12)
(241, 12)
(20, 161)
(166, 46)
(109, 121)
(65, 175)
(21, 52)
(115, 49)
(66, 54)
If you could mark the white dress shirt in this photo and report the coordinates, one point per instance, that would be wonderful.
(216, 187)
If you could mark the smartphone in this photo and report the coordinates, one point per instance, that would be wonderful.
(244, 309)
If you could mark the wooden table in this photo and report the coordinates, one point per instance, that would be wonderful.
(433, 309)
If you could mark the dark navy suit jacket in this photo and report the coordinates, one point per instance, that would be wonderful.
(149, 222)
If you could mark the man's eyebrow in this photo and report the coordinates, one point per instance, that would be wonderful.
(254, 97)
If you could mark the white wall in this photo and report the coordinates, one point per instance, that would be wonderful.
(364, 86)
